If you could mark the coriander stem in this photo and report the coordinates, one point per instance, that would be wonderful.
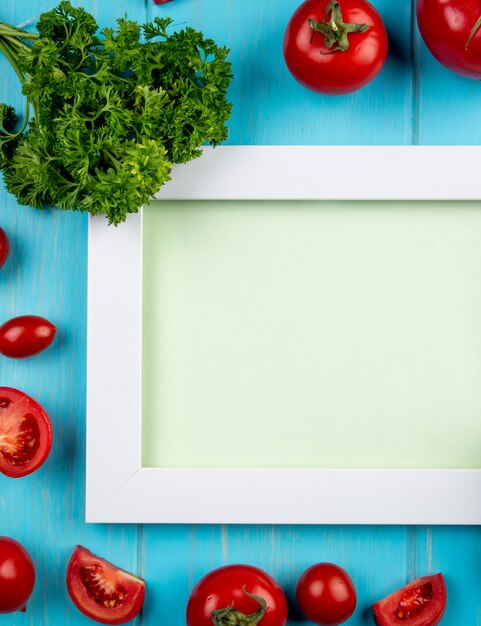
(10, 55)
(15, 41)
(7, 29)
(10, 136)
(112, 158)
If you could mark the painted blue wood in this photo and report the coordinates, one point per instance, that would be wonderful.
(457, 553)
(412, 101)
(447, 110)
(270, 107)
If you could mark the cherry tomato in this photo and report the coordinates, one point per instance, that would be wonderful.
(102, 591)
(17, 576)
(25, 434)
(326, 594)
(421, 603)
(335, 47)
(25, 336)
(4, 247)
(451, 31)
(230, 593)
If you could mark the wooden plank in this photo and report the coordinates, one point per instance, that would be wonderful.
(47, 269)
(456, 552)
(376, 558)
(46, 274)
(447, 111)
(270, 107)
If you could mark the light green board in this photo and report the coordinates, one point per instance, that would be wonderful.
(310, 334)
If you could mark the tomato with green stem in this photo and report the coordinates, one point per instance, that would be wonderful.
(451, 29)
(335, 47)
(237, 595)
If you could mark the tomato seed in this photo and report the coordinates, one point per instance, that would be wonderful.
(100, 590)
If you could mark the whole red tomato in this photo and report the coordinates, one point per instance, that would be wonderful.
(25, 336)
(335, 47)
(326, 594)
(102, 591)
(451, 31)
(17, 576)
(421, 603)
(4, 247)
(25, 434)
(237, 595)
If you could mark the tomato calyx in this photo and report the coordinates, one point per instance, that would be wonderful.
(335, 31)
(232, 617)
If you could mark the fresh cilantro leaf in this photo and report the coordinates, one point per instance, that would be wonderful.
(111, 111)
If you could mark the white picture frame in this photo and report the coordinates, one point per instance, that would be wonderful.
(119, 489)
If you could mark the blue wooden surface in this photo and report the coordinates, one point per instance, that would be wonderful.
(413, 101)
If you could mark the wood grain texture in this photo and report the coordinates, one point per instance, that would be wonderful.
(413, 101)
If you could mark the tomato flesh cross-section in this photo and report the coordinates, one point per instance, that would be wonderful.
(102, 591)
(25, 433)
(421, 603)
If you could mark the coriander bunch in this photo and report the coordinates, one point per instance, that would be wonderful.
(107, 113)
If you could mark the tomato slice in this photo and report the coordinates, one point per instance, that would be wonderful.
(102, 591)
(25, 433)
(421, 603)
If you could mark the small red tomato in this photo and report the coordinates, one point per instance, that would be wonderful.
(102, 591)
(451, 29)
(25, 434)
(161, 1)
(333, 47)
(237, 595)
(4, 247)
(326, 594)
(421, 603)
(17, 576)
(25, 336)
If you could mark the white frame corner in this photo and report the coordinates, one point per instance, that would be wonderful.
(119, 489)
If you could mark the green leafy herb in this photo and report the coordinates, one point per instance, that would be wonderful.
(111, 114)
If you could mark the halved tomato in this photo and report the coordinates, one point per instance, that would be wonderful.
(421, 603)
(25, 433)
(102, 591)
